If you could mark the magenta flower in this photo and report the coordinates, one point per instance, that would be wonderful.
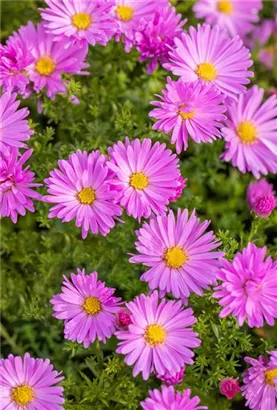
(172, 378)
(87, 307)
(249, 288)
(123, 318)
(154, 42)
(14, 129)
(237, 16)
(147, 176)
(167, 399)
(16, 183)
(52, 59)
(229, 387)
(30, 384)
(250, 133)
(88, 21)
(209, 54)
(159, 338)
(180, 256)
(81, 188)
(260, 383)
(194, 109)
(179, 191)
(261, 198)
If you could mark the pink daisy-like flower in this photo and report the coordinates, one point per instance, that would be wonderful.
(172, 378)
(260, 382)
(16, 183)
(168, 399)
(29, 384)
(249, 288)
(81, 188)
(147, 176)
(86, 20)
(194, 109)
(154, 41)
(229, 387)
(261, 198)
(14, 128)
(52, 59)
(250, 133)
(209, 54)
(87, 307)
(237, 16)
(159, 338)
(180, 255)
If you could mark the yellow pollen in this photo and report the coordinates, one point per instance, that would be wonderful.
(125, 12)
(246, 132)
(86, 196)
(185, 115)
(138, 180)
(23, 395)
(270, 49)
(154, 335)
(92, 305)
(206, 71)
(270, 375)
(225, 7)
(81, 21)
(45, 66)
(175, 257)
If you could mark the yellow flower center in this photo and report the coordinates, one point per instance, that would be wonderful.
(246, 132)
(86, 196)
(185, 115)
(270, 49)
(45, 66)
(81, 21)
(125, 12)
(270, 375)
(23, 395)
(225, 7)
(138, 180)
(175, 257)
(206, 71)
(154, 335)
(92, 305)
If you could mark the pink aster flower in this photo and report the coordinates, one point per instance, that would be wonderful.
(194, 109)
(16, 183)
(87, 307)
(208, 53)
(81, 189)
(172, 378)
(180, 255)
(179, 190)
(123, 318)
(147, 176)
(14, 128)
(167, 399)
(249, 288)
(154, 41)
(229, 387)
(260, 383)
(86, 20)
(261, 198)
(52, 59)
(237, 16)
(30, 384)
(250, 133)
(159, 338)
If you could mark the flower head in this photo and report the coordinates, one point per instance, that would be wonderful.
(147, 176)
(16, 183)
(14, 128)
(250, 133)
(180, 255)
(194, 109)
(81, 189)
(123, 318)
(260, 383)
(261, 198)
(87, 307)
(229, 387)
(167, 399)
(249, 288)
(207, 53)
(29, 384)
(159, 338)
(172, 378)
